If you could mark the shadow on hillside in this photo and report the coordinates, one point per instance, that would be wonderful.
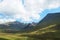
(46, 36)
(57, 27)
(3, 39)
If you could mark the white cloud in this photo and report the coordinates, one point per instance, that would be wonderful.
(54, 4)
(29, 12)
(6, 20)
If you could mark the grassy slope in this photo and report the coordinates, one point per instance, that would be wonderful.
(43, 34)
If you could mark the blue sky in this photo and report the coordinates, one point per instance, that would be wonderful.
(27, 11)
(47, 11)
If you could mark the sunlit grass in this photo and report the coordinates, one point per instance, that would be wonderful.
(12, 36)
(44, 30)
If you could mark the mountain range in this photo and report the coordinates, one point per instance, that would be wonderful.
(50, 19)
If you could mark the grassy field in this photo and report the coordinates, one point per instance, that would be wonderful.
(5, 36)
(47, 33)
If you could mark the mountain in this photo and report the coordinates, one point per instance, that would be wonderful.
(17, 25)
(30, 25)
(12, 26)
(50, 19)
(47, 29)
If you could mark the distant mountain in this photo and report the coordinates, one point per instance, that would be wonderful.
(12, 26)
(17, 25)
(31, 25)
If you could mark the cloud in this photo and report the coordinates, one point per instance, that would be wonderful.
(2, 21)
(28, 12)
(54, 4)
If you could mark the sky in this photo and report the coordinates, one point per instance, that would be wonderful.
(27, 11)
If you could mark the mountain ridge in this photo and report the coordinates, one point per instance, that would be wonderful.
(50, 19)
